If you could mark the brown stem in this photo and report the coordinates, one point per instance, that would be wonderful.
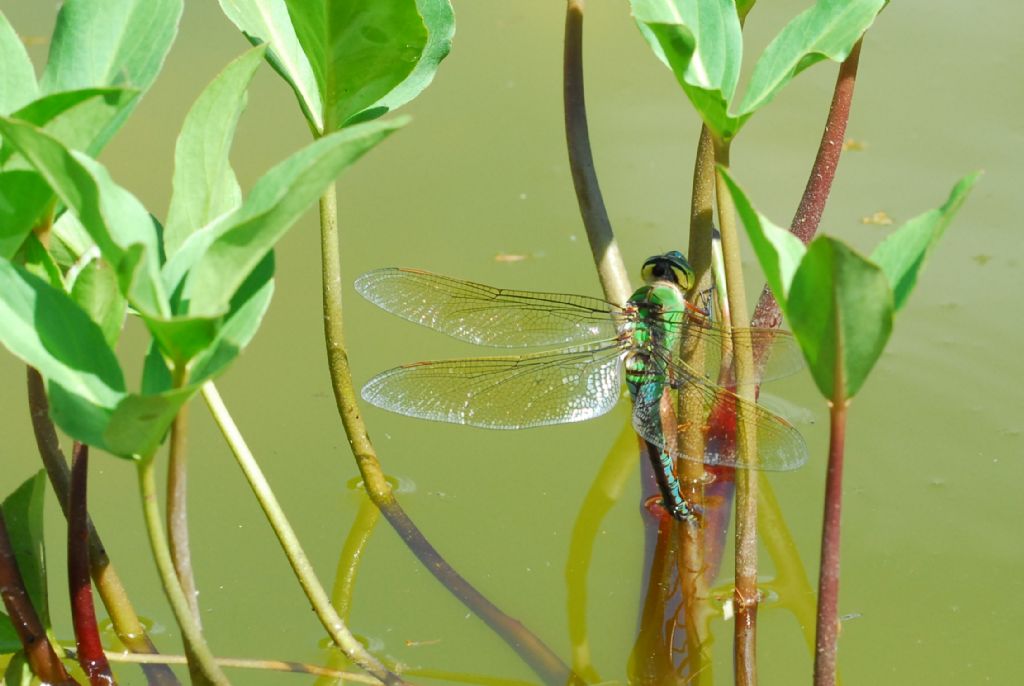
(177, 510)
(533, 651)
(40, 654)
(828, 581)
(87, 636)
(819, 183)
(610, 268)
(122, 615)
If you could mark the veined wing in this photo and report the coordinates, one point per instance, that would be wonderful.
(513, 392)
(777, 352)
(780, 447)
(485, 315)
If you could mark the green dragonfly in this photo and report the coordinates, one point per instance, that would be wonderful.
(600, 344)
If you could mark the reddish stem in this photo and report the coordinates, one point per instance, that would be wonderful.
(819, 184)
(83, 613)
(40, 654)
(828, 580)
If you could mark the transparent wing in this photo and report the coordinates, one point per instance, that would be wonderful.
(485, 315)
(514, 392)
(780, 447)
(777, 352)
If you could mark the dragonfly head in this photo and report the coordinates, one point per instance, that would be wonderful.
(672, 266)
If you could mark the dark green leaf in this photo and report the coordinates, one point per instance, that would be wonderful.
(17, 77)
(140, 422)
(46, 329)
(79, 119)
(117, 222)
(778, 250)
(9, 641)
(38, 261)
(700, 41)
(205, 186)
(840, 309)
(359, 50)
(267, 21)
(18, 672)
(277, 200)
(440, 22)
(24, 200)
(94, 287)
(23, 515)
(182, 338)
(826, 31)
(902, 254)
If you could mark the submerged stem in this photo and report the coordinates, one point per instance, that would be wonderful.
(300, 564)
(199, 653)
(746, 593)
(529, 647)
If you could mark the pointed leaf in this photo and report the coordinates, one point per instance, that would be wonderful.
(778, 251)
(94, 287)
(840, 309)
(17, 78)
(700, 41)
(826, 31)
(267, 21)
(24, 199)
(359, 50)
(902, 254)
(205, 186)
(277, 200)
(23, 515)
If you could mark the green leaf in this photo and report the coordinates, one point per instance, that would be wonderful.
(110, 43)
(439, 19)
(69, 240)
(778, 251)
(277, 200)
(248, 307)
(17, 78)
(267, 21)
(37, 260)
(9, 641)
(182, 338)
(114, 218)
(205, 186)
(24, 200)
(826, 31)
(359, 50)
(156, 375)
(23, 515)
(902, 254)
(840, 309)
(140, 422)
(700, 41)
(94, 287)
(79, 119)
(18, 672)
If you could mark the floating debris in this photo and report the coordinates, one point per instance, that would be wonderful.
(879, 218)
(510, 257)
(853, 145)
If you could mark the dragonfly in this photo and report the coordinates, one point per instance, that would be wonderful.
(595, 345)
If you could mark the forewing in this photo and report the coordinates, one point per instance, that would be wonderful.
(780, 447)
(488, 316)
(514, 392)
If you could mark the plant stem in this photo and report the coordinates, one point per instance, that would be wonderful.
(819, 182)
(529, 647)
(177, 506)
(827, 631)
(87, 636)
(40, 654)
(206, 670)
(122, 615)
(300, 564)
(746, 593)
(610, 268)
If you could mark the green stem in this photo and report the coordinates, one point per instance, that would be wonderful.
(205, 666)
(610, 268)
(746, 593)
(530, 648)
(300, 564)
(177, 506)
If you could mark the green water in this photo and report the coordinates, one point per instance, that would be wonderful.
(932, 552)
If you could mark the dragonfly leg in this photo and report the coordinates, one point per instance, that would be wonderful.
(671, 492)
